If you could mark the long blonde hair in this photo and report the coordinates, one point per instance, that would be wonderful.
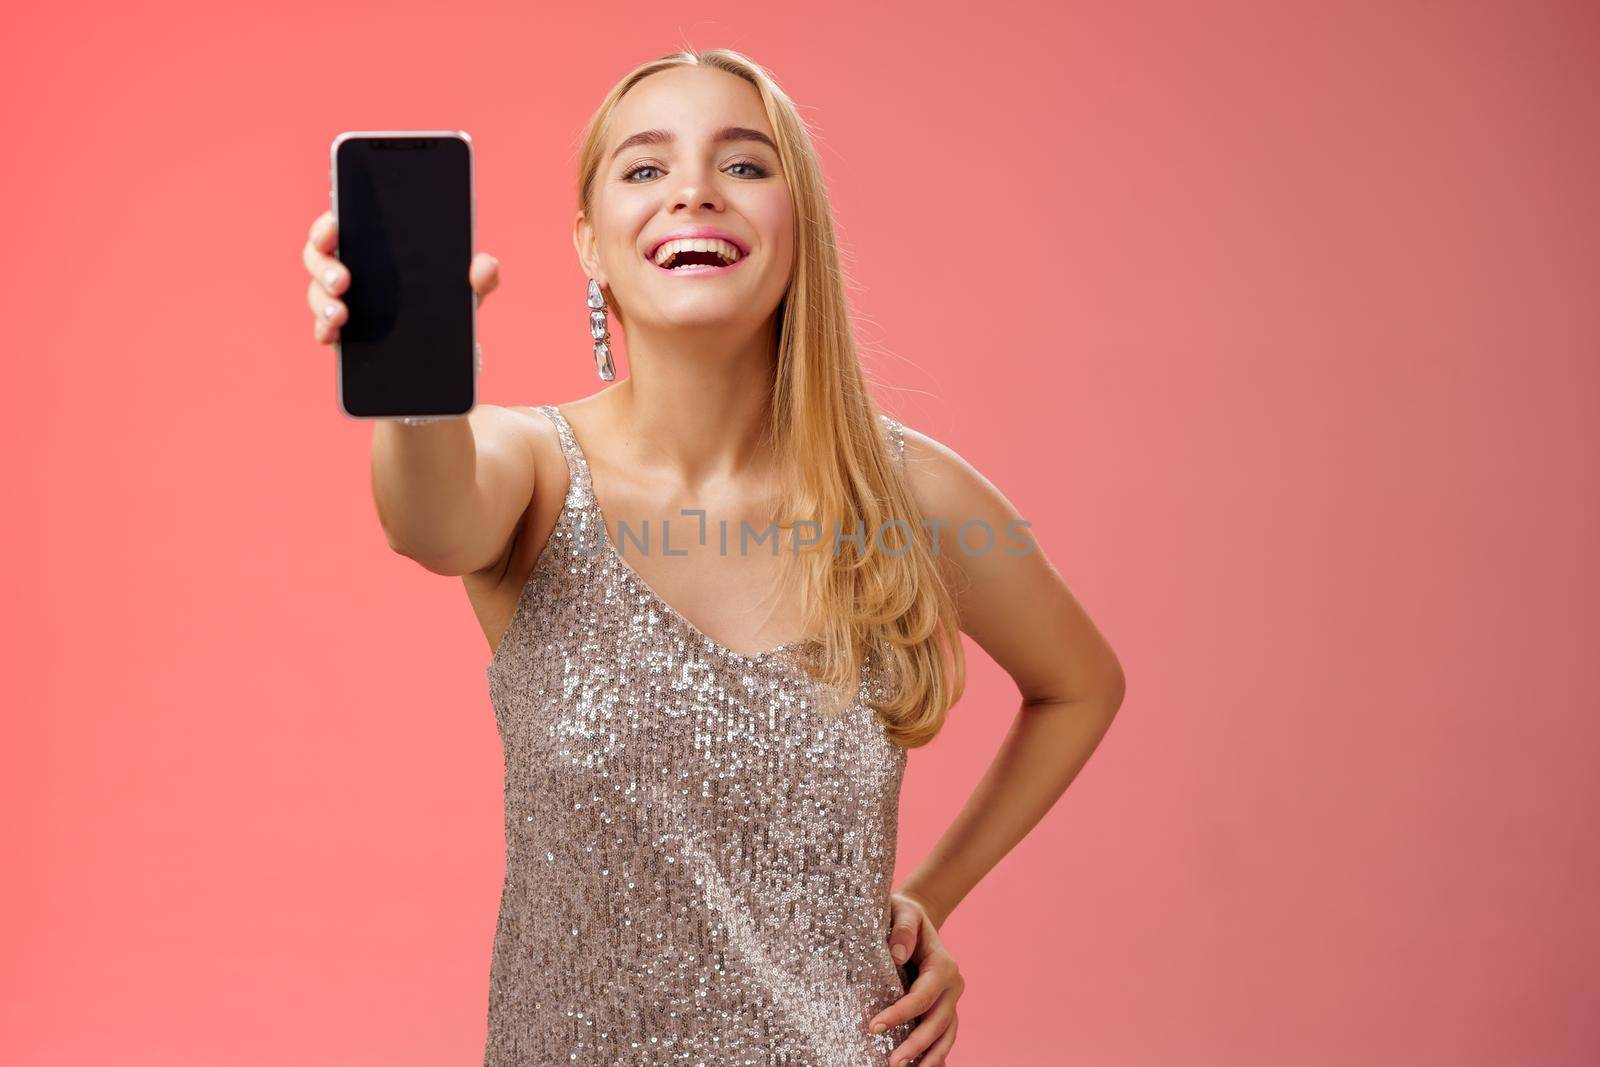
(890, 599)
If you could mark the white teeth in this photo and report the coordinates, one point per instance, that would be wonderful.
(668, 249)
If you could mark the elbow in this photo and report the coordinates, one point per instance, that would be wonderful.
(1110, 683)
(1096, 687)
(444, 564)
(446, 559)
(1114, 687)
(1104, 688)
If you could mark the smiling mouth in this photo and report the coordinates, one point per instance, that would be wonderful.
(697, 256)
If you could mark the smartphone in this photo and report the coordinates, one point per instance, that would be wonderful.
(403, 200)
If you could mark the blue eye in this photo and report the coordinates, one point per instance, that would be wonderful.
(759, 170)
(643, 166)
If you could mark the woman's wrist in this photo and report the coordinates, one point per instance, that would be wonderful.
(937, 913)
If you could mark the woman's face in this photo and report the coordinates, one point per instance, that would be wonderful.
(689, 172)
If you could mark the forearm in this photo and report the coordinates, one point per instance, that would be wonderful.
(425, 486)
(1046, 747)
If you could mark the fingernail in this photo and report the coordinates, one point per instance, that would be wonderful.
(332, 277)
(878, 1028)
(327, 312)
(899, 953)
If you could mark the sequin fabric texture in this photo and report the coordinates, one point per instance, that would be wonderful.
(698, 857)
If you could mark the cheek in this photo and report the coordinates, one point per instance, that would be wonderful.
(620, 223)
(777, 221)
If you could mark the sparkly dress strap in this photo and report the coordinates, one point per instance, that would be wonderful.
(577, 463)
(897, 438)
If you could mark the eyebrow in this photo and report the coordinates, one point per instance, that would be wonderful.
(727, 133)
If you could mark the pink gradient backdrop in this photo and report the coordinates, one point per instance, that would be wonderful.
(1278, 321)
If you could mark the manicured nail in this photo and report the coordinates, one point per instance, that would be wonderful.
(332, 277)
(878, 1028)
(327, 312)
(899, 953)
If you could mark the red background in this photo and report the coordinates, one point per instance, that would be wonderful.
(1277, 321)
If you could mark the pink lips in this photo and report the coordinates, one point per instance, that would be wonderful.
(700, 233)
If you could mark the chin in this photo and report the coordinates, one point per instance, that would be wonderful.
(711, 318)
(709, 309)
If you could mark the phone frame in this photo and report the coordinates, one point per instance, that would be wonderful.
(472, 229)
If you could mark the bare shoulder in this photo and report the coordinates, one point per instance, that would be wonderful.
(529, 427)
(1009, 597)
(949, 488)
(500, 427)
(527, 415)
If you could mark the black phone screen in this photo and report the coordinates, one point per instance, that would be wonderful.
(403, 203)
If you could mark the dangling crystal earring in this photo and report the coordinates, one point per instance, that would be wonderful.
(599, 329)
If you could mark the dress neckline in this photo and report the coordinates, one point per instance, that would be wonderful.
(634, 578)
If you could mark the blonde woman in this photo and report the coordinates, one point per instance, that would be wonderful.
(706, 698)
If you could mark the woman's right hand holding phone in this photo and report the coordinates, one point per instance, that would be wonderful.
(330, 278)
(451, 524)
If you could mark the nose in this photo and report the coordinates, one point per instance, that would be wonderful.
(695, 189)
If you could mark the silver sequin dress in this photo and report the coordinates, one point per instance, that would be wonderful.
(698, 860)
